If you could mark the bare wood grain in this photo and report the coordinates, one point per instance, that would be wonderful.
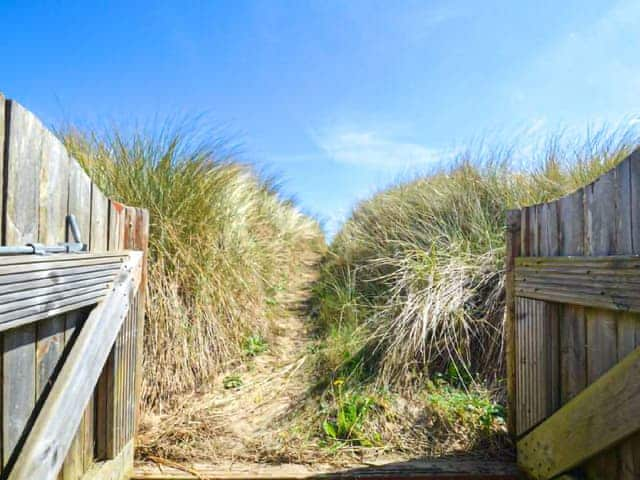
(52, 433)
(79, 205)
(3, 127)
(512, 250)
(23, 152)
(601, 416)
(73, 467)
(601, 230)
(628, 222)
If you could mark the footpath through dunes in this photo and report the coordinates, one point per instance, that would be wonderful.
(240, 415)
(262, 418)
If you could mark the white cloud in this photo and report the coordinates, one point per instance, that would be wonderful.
(371, 149)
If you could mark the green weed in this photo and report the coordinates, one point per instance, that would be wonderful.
(254, 345)
(471, 408)
(231, 382)
(348, 416)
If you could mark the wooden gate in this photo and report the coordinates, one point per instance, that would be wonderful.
(70, 324)
(573, 330)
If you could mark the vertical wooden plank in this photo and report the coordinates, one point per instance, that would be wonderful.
(521, 397)
(600, 240)
(626, 323)
(116, 393)
(54, 196)
(142, 243)
(79, 205)
(50, 337)
(628, 238)
(104, 410)
(73, 466)
(103, 417)
(107, 394)
(550, 247)
(3, 127)
(573, 341)
(128, 375)
(80, 200)
(98, 241)
(88, 443)
(19, 382)
(23, 152)
(513, 250)
(531, 316)
(4, 124)
(116, 226)
(99, 220)
(132, 242)
(53, 190)
(522, 333)
(629, 450)
(539, 387)
(602, 351)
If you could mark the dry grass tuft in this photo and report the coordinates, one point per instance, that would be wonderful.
(225, 249)
(417, 269)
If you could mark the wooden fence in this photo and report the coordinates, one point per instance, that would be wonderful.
(573, 330)
(41, 185)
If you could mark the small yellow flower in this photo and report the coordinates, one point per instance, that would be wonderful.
(338, 382)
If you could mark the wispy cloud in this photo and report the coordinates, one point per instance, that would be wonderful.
(374, 150)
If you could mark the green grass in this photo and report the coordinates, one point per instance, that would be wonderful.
(226, 250)
(347, 416)
(232, 382)
(254, 345)
(475, 409)
(410, 302)
(417, 269)
(408, 309)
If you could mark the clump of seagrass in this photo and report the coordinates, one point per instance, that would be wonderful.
(417, 270)
(224, 247)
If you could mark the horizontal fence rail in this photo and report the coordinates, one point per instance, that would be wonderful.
(33, 288)
(610, 282)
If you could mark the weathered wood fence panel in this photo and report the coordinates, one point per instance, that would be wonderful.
(41, 185)
(573, 304)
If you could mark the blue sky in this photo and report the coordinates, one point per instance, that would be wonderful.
(338, 98)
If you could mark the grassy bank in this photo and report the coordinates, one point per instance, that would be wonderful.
(409, 305)
(396, 349)
(226, 251)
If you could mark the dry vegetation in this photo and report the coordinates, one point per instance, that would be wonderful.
(417, 271)
(392, 345)
(225, 249)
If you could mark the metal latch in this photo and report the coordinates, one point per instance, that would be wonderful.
(39, 249)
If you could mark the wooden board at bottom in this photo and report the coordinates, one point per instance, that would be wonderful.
(437, 469)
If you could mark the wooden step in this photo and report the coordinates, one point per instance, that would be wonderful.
(439, 469)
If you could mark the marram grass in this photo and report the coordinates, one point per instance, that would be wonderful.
(225, 251)
(417, 271)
